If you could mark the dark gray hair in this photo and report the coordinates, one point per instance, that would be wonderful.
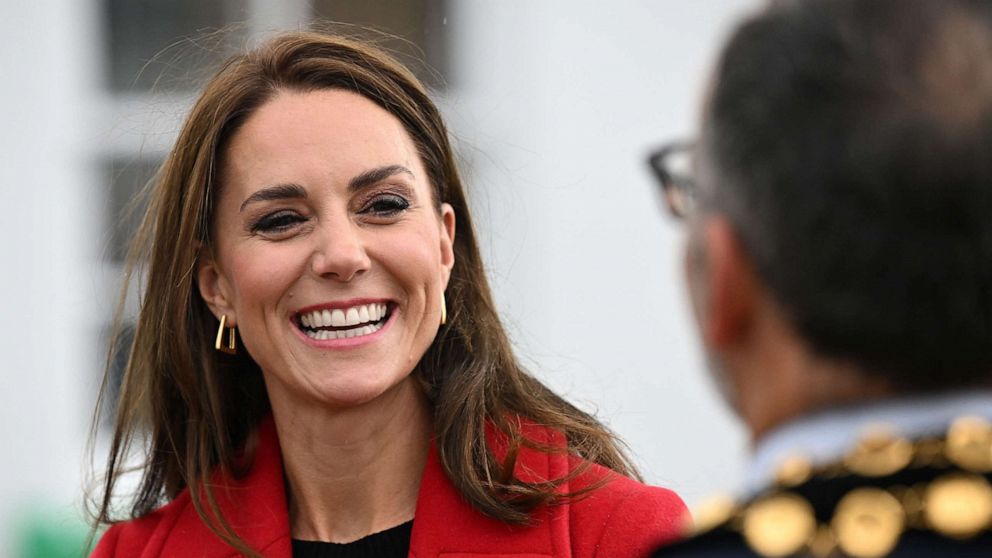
(850, 143)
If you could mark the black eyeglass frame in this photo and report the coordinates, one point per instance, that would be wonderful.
(677, 189)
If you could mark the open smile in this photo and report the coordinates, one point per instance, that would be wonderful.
(328, 323)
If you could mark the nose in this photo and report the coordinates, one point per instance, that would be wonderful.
(340, 252)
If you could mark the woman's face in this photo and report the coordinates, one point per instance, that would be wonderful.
(330, 256)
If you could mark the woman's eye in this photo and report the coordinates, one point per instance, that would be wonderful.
(277, 222)
(386, 205)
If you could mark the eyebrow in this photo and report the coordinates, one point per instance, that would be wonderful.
(372, 176)
(277, 192)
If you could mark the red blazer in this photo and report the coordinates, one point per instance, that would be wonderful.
(623, 518)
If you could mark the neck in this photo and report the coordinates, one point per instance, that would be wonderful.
(778, 377)
(800, 392)
(355, 471)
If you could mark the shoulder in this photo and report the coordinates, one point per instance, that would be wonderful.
(136, 536)
(253, 506)
(922, 504)
(610, 515)
(624, 517)
(602, 489)
(726, 542)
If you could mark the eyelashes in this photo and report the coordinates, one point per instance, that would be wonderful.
(385, 205)
(276, 222)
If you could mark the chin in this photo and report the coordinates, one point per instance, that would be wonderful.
(360, 391)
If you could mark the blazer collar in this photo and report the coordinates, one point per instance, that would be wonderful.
(255, 505)
(446, 523)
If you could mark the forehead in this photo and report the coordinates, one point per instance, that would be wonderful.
(340, 132)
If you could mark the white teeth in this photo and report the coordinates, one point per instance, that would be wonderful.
(351, 317)
(323, 334)
(367, 316)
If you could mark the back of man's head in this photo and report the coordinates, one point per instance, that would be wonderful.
(850, 144)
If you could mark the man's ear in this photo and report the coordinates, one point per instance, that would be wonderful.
(215, 288)
(732, 284)
(447, 240)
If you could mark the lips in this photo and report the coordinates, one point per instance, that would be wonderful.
(343, 323)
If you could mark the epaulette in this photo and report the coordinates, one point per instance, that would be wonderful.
(885, 488)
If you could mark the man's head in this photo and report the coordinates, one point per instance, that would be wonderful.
(844, 202)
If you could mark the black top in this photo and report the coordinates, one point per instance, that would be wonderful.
(391, 543)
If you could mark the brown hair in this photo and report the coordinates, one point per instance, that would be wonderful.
(175, 389)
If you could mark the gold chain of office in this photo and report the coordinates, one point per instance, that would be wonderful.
(869, 521)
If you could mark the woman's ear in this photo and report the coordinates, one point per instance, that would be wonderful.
(215, 288)
(447, 240)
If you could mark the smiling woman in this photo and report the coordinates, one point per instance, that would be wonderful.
(318, 361)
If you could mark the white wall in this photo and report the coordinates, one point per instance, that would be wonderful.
(554, 104)
(49, 226)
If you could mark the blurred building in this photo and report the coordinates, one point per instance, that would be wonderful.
(553, 105)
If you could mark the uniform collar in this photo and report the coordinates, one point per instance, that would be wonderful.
(827, 435)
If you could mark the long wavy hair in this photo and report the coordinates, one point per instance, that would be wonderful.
(184, 411)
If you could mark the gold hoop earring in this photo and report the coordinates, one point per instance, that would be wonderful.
(444, 310)
(230, 348)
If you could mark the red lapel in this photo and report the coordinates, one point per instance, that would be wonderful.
(446, 525)
(254, 506)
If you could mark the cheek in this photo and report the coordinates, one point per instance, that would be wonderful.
(414, 256)
(262, 275)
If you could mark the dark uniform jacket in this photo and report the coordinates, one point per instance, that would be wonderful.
(888, 496)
